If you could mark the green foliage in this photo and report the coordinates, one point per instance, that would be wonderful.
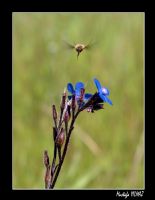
(106, 148)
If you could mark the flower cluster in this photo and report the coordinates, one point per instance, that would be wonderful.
(90, 102)
(70, 107)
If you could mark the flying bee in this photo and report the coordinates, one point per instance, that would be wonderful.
(78, 47)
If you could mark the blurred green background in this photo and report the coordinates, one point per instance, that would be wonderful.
(106, 148)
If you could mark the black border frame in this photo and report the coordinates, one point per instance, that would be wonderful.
(6, 41)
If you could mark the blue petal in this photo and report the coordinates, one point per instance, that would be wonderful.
(78, 87)
(109, 101)
(102, 96)
(98, 85)
(70, 88)
(87, 96)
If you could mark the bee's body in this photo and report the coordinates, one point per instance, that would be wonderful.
(78, 47)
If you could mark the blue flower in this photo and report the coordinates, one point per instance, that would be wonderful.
(77, 91)
(90, 102)
(102, 92)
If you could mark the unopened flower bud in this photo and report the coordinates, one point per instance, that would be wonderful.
(82, 94)
(46, 159)
(67, 114)
(63, 100)
(54, 112)
(60, 138)
(47, 177)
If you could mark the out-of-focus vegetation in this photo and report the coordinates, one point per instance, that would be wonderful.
(106, 148)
